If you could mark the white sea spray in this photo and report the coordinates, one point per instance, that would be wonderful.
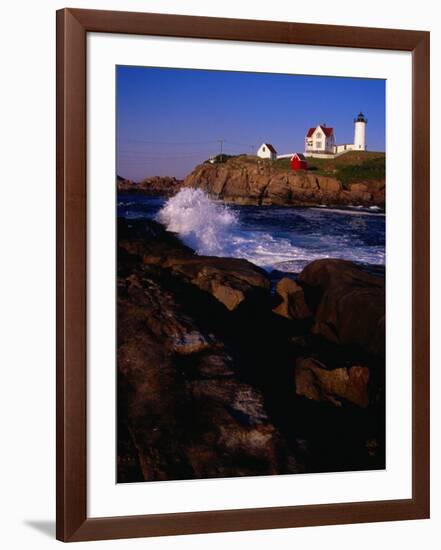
(215, 229)
(202, 223)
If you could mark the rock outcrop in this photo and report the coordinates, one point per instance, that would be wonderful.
(218, 376)
(188, 415)
(261, 183)
(231, 281)
(315, 381)
(184, 410)
(293, 305)
(157, 185)
(348, 304)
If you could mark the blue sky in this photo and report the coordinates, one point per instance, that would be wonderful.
(169, 120)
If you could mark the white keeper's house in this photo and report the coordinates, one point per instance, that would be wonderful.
(320, 141)
(267, 151)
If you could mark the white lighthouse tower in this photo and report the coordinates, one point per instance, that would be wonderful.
(360, 132)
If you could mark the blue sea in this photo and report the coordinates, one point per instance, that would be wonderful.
(275, 238)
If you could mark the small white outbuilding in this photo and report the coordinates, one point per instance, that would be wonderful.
(267, 151)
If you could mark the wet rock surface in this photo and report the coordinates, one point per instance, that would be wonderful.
(220, 376)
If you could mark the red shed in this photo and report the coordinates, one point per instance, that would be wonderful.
(298, 162)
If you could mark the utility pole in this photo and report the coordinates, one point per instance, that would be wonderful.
(221, 141)
(252, 147)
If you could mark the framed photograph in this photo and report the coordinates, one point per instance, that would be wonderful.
(242, 274)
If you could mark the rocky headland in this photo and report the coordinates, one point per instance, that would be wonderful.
(349, 180)
(223, 372)
(246, 180)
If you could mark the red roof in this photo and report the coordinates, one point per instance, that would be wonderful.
(300, 156)
(327, 131)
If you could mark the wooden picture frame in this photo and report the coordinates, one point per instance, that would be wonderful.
(73, 523)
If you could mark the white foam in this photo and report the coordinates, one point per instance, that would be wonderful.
(202, 223)
(214, 229)
(352, 210)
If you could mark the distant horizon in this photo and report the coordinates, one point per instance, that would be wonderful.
(169, 120)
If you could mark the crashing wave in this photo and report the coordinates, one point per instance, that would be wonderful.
(214, 229)
(202, 223)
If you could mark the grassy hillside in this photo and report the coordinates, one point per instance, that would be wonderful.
(352, 167)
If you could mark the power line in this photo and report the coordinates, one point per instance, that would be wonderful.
(221, 141)
(142, 156)
(155, 142)
(160, 153)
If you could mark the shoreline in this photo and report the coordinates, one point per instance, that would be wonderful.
(245, 180)
(275, 274)
(253, 236)
(335, 207)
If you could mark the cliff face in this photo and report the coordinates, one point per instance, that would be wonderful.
(260, 183)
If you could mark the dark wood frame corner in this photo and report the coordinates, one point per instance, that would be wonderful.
(72, 28)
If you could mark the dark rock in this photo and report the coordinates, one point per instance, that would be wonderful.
(189, 343)
(348, 304)
(149, 241)
(157, 185)
(206, 367)
(231, 281)
(315, 381)
(185, 412)
(293, 305)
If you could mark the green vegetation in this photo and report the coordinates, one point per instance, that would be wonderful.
(352, 167)
(371, 169)
(221, 158)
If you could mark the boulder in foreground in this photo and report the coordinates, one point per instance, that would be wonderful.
(231, 281)
(293, 305)
(348, 304)
(315, 381)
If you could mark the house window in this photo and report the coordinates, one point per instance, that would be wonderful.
(318, 144)
(263, 149)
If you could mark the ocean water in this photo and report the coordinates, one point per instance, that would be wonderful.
(274, 238)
